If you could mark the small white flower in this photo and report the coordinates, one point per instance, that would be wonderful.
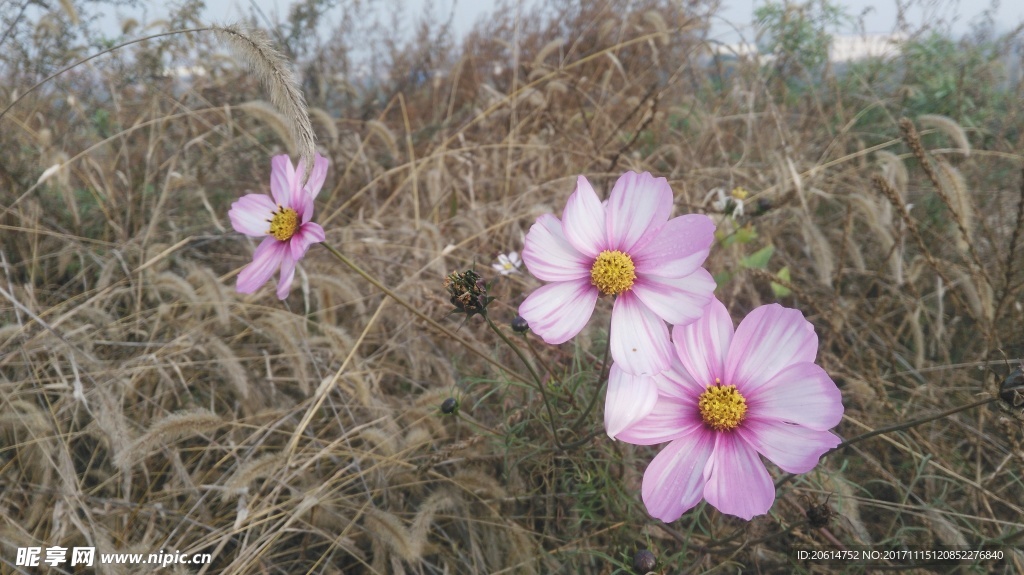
(727, 204)
(508, 264)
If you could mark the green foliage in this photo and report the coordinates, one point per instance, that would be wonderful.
(959, 79)
(780, 290)
(759, 259)
(798, 34)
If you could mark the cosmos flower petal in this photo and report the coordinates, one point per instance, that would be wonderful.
(702, 346)
(670, 419)
(794, 448)
(678, 249)
(801, 393)
(302, 203)
(637, 208)
(282, 180)
(639, 339)
(265, 261)
(583, 220)
(284, 284)
(768, 340)
(628, 400)
(679, 301)
(674, 481)
(251, 214)
(308, 234)
(676, 383)
(316, 177)
(549, 256)
(558, 311)
(737, 481)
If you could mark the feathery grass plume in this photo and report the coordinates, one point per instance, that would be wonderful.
(386, 441)
(947, 126)
(20, 414)
(547, 50)
(336, 294)
(175, 286)
(479, 483)
(325, 120)
(211, 291)
(229, 365)
(820, 251)
(869, 210)
(894, 170)
(913, 141)
(286, 330)
(655, 19)
(276, 121)
(110, 420)
(960, 203)
(381, 130)
(416, 438)
(253, 469)
(945, 530)
(408, 543)
(178, 425)
(8, 333)
(273, 70)
(68, 6)
(338, 337)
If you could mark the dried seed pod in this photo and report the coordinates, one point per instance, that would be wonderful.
(519, 324)
(819, 515)
(450, 406)
(644, 561)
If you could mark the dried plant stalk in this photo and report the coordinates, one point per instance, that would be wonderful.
(273, 70)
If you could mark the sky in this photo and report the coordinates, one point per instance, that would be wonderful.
(733, 20)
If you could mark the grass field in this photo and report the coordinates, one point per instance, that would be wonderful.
(146, 406)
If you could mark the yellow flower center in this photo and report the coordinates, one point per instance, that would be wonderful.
(722, 407)
(739, 192)
(613, 272)
(284, 223)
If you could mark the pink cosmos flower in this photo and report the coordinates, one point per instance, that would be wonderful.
(626, 247)
(729, 397)
(284, 220)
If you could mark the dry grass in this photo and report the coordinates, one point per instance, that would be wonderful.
(146, 405)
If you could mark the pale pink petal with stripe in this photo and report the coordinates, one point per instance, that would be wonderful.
(549, 256)
(639, 339)
(583, 220)
(558, 311)
(674, 481)
(637, 208)
(251, 214)
(678, 301)
(629, 399)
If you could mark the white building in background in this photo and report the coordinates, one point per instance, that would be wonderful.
(853, 48)
(844, 48)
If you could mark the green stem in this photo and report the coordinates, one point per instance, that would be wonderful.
(536, 378)
(605, 369)
(898, 427)
(515, 348)
(914, 423)
(540, 359)
(430, 321)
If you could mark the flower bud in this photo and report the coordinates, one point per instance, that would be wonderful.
(449, 406)
(519, 324)
(644, 561)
